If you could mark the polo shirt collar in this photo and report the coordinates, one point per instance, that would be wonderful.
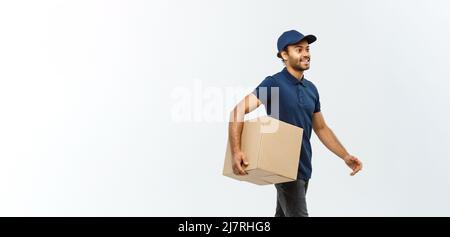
(292, 79)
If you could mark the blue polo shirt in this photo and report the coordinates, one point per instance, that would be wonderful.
(297, 100)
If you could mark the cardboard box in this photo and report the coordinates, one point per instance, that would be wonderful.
(272, 148)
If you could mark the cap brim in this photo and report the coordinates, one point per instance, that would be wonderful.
(310, 38)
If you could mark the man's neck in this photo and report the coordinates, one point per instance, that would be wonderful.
(297, 74)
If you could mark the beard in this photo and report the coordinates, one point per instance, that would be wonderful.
(299, 67)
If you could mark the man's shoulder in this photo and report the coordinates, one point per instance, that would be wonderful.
(271, 80)
(274, 79)
(277, 75)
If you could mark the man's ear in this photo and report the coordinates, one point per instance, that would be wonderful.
(284, 55)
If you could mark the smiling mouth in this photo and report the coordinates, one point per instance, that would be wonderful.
(305, 60)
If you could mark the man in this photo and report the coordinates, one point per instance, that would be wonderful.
(298, 104)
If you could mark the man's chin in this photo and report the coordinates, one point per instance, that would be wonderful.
(300, 68)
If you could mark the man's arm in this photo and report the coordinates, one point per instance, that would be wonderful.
(246, 105)
(330, 140)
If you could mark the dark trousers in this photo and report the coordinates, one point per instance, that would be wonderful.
(291, 199)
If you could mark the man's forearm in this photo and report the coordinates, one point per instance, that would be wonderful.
(236, 124)
(330, 140)
(235, 127)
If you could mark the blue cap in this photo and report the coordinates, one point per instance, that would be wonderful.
(292, 37)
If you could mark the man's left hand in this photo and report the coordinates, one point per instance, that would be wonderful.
(353, 163)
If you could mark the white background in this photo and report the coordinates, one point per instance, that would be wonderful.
(86, 125)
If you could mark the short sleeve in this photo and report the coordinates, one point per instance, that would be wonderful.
(264, 92)
(317, 105)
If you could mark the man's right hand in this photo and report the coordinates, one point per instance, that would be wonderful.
(239, 163)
